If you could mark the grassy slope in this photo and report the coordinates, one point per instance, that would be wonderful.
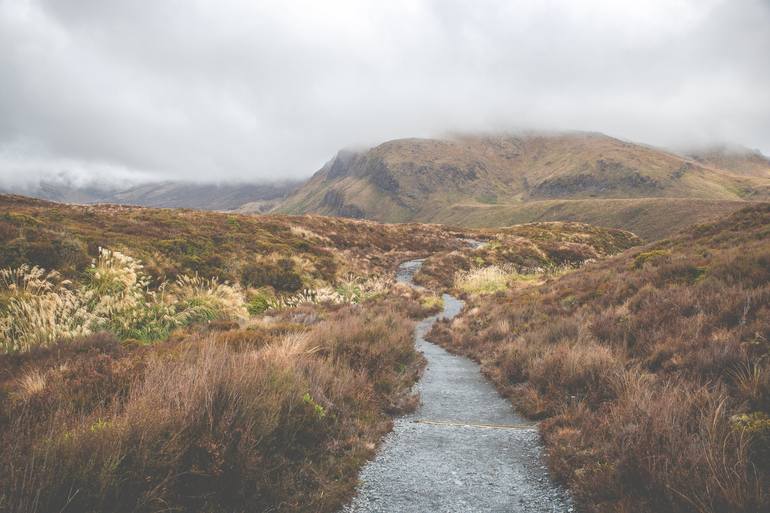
(169, 242)
(737, 160)
(652, 369)
(526, 178)
(276, 415)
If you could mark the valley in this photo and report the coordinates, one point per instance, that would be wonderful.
(206, 361)
(384, 257)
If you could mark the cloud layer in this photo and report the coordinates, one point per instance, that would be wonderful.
(238, 90)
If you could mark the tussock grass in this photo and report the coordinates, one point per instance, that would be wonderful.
(484, 280)
(275, 418)
(282, 253)
(523, 253)
(40, 308)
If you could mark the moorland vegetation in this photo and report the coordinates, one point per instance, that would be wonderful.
(650, 370)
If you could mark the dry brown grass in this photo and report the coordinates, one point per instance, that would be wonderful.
(651, 370)
(275, 418)
(526, 250)
(281, 252)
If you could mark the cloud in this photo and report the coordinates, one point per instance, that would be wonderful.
(238, 90)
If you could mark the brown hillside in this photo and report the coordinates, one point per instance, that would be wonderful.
(424, 179)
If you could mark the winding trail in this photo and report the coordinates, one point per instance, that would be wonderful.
(463, 450)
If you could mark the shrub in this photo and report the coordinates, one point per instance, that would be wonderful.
(198, 299)
(258, 304)
(653, 256)
(432, 303)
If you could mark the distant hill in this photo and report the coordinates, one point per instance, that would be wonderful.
(735, 159)
(205, 196)
(497, 180)
(260, 197)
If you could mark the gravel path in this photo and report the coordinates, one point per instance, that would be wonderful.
(463, 450)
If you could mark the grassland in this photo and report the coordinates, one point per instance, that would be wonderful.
(131, 387)
(276, 417)
(162, 387)
(650, 370)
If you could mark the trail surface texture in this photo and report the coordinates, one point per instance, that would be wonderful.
(463, 450)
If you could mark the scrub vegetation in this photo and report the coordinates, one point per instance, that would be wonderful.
(284, 254)
(205, 361)
(277, 417)
(650, 370)
(520, 255)
(173, 360)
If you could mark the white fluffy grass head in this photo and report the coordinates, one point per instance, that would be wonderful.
(209, 298)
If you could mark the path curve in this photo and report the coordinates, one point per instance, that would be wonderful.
(463, 450)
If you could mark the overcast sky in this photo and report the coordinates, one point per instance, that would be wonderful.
(248, 90)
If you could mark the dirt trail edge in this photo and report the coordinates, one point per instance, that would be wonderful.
(463, 450)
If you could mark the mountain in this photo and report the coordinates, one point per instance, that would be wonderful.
(260, 197)
(639, 357)
(204, 196)
(735, 159)
(61, 191)
(522, 178)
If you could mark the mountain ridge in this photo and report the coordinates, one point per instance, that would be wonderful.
(165, 194)
(419, 180)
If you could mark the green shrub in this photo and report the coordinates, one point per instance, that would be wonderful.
(258, 304)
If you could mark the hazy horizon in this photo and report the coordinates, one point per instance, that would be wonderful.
(130, 92)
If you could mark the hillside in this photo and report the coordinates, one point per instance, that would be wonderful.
(651, 369)
(172, 242)
(526, 177)
(649, 218)
(225, 245)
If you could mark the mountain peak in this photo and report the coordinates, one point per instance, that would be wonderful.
(427, 180)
